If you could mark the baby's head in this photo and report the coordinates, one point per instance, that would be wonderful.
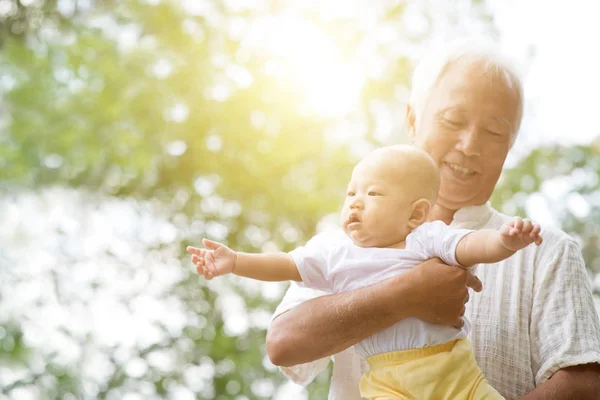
(390, 194)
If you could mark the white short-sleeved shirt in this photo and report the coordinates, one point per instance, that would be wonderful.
(535, 315)
(331, 262)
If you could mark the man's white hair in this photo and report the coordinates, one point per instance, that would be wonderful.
(433, 66)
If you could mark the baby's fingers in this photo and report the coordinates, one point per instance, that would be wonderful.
(199, 261)
(195, 250)
(505, 229)
(203, 270)
(517, 224)
(535, 234)
(527, 226)
(210, 265)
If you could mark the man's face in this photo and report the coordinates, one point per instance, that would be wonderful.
(466, 125)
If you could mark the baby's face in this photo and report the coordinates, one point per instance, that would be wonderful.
(378, 204)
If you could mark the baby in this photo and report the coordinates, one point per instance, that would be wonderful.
(384, 219)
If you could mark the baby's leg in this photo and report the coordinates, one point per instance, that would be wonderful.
(448, 373)
(484, 391)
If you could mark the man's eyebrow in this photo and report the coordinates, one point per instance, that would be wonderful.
(452, 108)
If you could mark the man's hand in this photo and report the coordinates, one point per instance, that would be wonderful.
(519, 233)
(217, 260)
(440, 292)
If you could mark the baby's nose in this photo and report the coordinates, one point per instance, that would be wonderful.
(356, 204)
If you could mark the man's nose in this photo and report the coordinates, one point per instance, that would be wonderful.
(470, 142)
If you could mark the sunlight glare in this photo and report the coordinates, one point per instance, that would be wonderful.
(312, 64)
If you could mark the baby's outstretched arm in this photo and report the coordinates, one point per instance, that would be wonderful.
(218, 259)
(491, 246)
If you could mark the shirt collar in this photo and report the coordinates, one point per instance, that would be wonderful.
(472, 217)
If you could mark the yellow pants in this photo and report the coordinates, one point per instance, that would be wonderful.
(444, 372)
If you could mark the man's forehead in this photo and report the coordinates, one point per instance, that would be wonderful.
(471, 86)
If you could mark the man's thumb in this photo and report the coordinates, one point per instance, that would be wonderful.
(209, 244)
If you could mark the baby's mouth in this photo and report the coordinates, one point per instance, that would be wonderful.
(353, 220)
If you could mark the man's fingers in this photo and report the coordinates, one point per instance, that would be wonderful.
(473, 282)
(460, 323)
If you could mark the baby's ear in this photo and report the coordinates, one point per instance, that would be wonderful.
(418, 215)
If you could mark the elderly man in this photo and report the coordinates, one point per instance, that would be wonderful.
(535, 330)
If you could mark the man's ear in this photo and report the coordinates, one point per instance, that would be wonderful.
(420, 210)
(409, 122)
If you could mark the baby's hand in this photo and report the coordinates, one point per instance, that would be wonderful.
(519, 233)
(217, 260)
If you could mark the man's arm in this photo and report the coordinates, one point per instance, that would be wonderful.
(572, 383)
(431, 291)
(565, 328)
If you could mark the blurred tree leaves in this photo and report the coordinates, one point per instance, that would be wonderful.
(85, 111)
(151, 101)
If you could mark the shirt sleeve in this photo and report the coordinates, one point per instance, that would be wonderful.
(565, 329)
(302, 374)
(436, 239)
(311, 260)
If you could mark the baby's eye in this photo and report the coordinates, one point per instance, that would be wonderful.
(371, 193)
(350, 194)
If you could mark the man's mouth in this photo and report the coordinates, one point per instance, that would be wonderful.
(461, 170)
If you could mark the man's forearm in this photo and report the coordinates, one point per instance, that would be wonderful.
(336, 322)
(573, 383)
(327, 325)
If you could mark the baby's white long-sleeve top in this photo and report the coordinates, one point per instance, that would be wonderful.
(331, 262)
